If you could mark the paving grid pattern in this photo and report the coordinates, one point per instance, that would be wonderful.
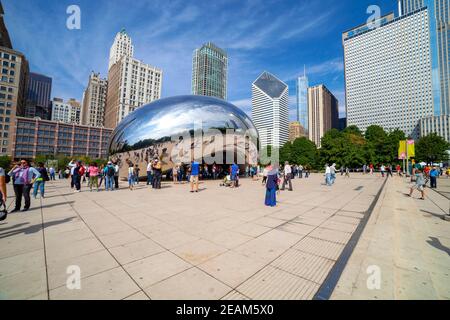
(407, 239)
(169, 244)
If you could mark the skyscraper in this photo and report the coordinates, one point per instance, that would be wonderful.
(388, 73)
(323, 113)
(270, 110)
(94, 101)
(131, 83)
(209, 71)
(302, 101)
(296, 131)
(122, 46)
(439, 22)
(38, 102)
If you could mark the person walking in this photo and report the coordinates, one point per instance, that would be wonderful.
(300, 171)
(52, 173)
(371, 168)
(419, 185)
(333, 173)
(327, 175)
(271, 186)
(193, 179)
(23, 177)
(434, 174)
(109, 173)
(39, 183)
(93, 176)
(347, 172)
(382, 170)
(287, 176)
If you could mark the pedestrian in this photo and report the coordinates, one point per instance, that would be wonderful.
(157, 171)
(271, 186)
(116, 175)
(371, 168)
(364, 169)
(333, 173)
(234, 175)
(39, 183)
(93, 176)
(78, 172)
(3, 194)
(136, 174)
(150, 173)
(419, 185)
(347, 172)
(52, 173)
(193, 179)
(327, 175)
(100, 176)
(265, 172)
(382, 170)
(434, 174)
(175, 174)
(71, 166)
(287, 176)
(23, 178)
(109, 173)
(300, 171)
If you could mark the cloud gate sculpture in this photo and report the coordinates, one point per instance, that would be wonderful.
(179, 129)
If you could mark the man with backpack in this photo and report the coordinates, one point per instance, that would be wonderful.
(110, 172)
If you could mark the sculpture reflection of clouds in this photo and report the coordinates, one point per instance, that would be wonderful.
(148, 131)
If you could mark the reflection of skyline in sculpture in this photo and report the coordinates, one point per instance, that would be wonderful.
(154, 130)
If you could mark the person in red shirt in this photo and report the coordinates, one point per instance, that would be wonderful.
(371, 168)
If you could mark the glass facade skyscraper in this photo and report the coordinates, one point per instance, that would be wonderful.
(38, 96)
(439, 12)
(302, 101)
(209, 71)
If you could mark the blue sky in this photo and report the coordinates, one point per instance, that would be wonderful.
(278, 36)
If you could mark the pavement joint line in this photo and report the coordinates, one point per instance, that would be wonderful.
(439, 194)
(326, 289)
(305, 236)
(170, 250)
(99, 240)
(45, 249)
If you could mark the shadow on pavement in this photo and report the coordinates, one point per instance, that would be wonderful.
(34, 228)
(435, 242)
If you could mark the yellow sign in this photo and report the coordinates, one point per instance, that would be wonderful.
(411, 149)
(402, 150)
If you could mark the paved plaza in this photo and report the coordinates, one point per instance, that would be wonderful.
(220, 243)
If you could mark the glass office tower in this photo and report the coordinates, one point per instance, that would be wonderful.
(302, 101)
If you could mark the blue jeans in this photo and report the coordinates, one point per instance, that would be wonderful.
(39, 185)
(328, 179)
(332, 178)
(149, 178)
(109, 183)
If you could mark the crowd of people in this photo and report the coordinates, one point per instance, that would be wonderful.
(26, 178)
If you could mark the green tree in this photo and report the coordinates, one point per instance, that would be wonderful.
(5, 162)
(304, 152)
(432, 148)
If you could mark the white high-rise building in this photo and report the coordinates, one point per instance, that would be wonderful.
(131, 84)
(122, 46)
(94, 101)
(67, 112)
(270, 110)
(388, 73)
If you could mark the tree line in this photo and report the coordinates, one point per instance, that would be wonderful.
(351, 148)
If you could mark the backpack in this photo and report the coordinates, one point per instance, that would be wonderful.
(111, 171)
